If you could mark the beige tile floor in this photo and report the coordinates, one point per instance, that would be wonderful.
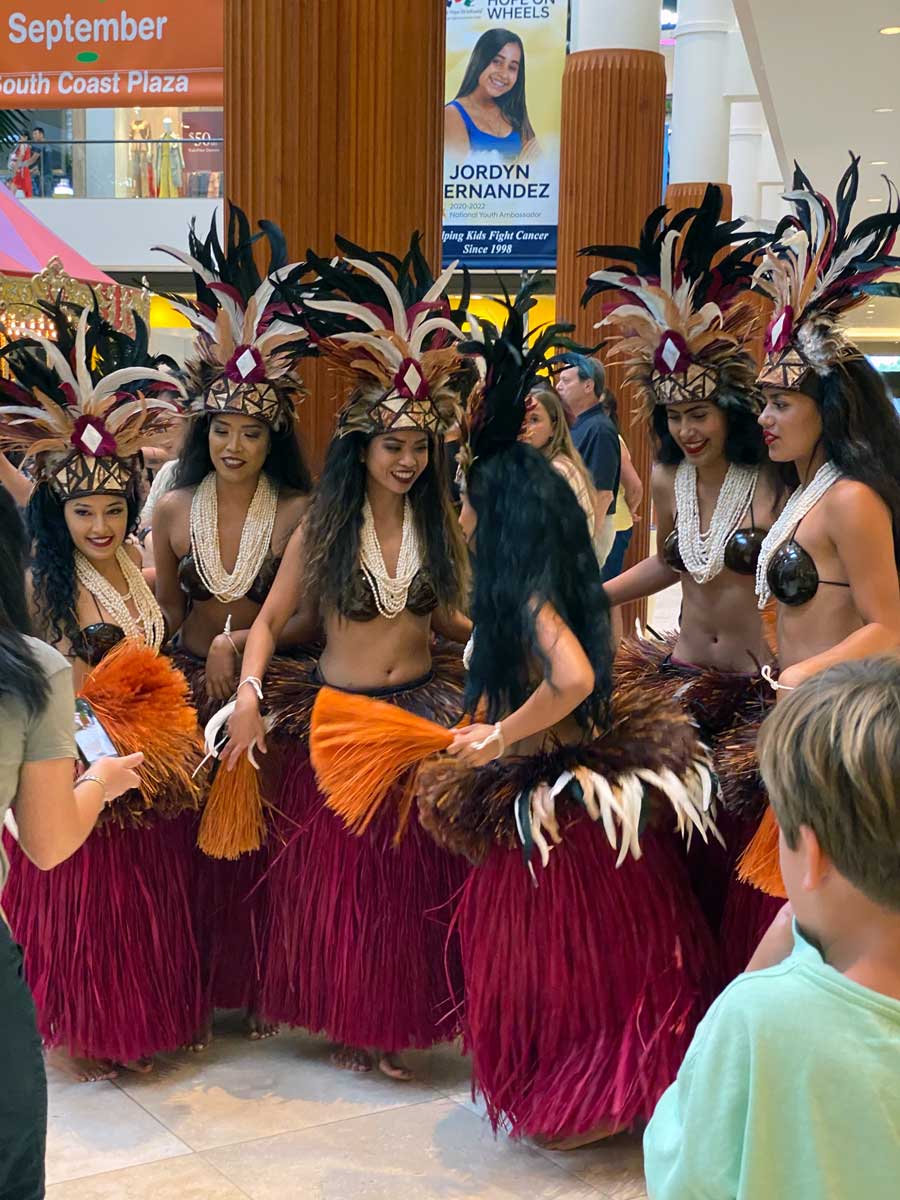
(276, 1121)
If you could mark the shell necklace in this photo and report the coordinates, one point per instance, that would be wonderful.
(149, 625)
(800, 503)
(256, 538)
(703, 554)
(390, 593)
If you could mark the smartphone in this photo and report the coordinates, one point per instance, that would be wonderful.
(91, 738)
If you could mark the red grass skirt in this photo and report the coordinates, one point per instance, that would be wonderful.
(728, 708)
(109, 944)
(357, 944)
(583, 993)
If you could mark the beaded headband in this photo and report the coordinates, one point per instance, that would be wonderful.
(818, 269)
(684, 321)
(246, 352)
(81, 423)
(386, 326)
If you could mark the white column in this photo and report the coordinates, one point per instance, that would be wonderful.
(615, 24)
(744, 159)
(700, 110)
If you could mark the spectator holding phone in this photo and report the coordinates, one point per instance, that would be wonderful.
(54, 816)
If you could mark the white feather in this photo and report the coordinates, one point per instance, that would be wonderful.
(369, 318)
(182, 256)
(429, 327)
(391, 294)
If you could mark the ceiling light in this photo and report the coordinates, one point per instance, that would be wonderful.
(878, 162)
(890, 30)
(884, 110)
(874, 199)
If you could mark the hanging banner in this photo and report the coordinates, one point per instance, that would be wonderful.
(501, 132)
(92, 54)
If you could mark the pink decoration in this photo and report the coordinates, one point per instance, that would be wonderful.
(90, 436)
(245, 366)
(778, 335)
(672, 354)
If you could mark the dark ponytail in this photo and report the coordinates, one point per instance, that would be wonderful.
(20, 674)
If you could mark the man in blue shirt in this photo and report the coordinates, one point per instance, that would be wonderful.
(581, 386)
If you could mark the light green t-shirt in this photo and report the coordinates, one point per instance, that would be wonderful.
(790, 1090)
(47, 735)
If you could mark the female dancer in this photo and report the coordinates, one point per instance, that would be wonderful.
(580, 992)
(109, 945)
(239, 492)
(355, 949)
(489, 114)
(831, 559)
(683, 331)
(546, 429)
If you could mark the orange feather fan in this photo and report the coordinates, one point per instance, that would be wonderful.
(361, 747)
(759, 864)
(142, 702)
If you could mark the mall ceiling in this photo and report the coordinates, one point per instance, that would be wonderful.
(824, 71)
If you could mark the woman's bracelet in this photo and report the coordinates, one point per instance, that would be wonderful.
(226, 632)
(95, 779)
(256, 683)
(773, 682)
(496, 736)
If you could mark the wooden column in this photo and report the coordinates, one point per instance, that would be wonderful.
(689, 195)
(613, 118)
(334, 124)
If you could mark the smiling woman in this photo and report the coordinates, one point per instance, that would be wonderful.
(489, 113)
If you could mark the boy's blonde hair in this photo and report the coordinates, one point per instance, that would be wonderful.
(830, 759)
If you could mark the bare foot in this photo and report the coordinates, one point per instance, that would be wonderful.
(258, 1029)
(140, 1066)
(85, 1070)
(390, 1065)
(201, 1038)
(579, 1140)
(351, 1058)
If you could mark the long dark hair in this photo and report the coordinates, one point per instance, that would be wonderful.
(54, 586)
(744, 445)
(285, 463)
(20, 675)
(332, 525)
(532, 547)
(512, 105)
(860, 432)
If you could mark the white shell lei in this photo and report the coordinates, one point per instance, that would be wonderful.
(149, 626)
(256, 539)
(390, 592)
(801, 502)
(703, 554)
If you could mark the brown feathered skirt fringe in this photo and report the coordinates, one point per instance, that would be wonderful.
(728, 708)
(358, 946)
(584, 982)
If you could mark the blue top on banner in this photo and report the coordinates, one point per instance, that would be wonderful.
(501, 132)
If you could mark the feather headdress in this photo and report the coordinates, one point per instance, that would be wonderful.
(683, 322)
(247, 353)
(387, 328)
(509, 363)
(82, 408)
(817, 269)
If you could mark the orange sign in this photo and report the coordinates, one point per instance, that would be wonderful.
(110, 53)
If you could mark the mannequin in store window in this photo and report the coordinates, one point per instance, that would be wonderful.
(141, 169)
(169, 162)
